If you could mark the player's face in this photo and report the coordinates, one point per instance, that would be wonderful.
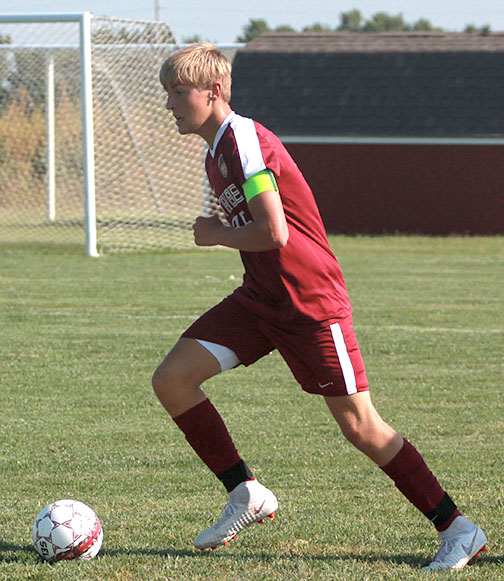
(191, 108)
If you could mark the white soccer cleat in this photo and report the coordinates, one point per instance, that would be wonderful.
(462, 541)
(249, 502)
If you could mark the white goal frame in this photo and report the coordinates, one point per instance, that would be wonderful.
(84, 21)
(142, 219)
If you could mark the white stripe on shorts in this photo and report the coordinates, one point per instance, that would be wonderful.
(344, 358)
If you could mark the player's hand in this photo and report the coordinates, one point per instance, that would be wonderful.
(206, 230)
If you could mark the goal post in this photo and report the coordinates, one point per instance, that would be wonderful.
(88, 152)
(88, 135)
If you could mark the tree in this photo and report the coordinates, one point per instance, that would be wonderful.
(194, 39)
(383, 22)
(351, 21)
(253, 29)
(284, 28)
(149, 32)
(317, 27)
(4, 93)
(256, 27)
(423, 24)
(473, 29)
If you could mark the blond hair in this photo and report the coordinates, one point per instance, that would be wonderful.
(199, 65)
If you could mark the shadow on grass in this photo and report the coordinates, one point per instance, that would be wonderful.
(10, 553)
(265, 557)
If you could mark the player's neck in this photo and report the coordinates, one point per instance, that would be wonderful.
(209, 129)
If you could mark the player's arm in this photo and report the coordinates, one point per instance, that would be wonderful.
(269, 229)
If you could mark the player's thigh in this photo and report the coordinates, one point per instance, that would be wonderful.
(324, 357)
(187, 364)
(230, 325)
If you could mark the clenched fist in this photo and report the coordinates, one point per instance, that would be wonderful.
(207, 230)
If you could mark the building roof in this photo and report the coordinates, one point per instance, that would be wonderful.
(373, 84)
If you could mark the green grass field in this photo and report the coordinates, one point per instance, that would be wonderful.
(81, 337)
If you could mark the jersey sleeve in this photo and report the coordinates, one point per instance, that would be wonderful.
(248, 147)
(252, 154)
(258, 183)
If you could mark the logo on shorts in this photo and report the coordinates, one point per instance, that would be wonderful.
(222, 166)
(322, 386)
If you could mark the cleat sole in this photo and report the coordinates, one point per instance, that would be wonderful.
(270, 516)
(224, 544)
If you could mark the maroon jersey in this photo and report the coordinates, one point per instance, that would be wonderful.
(301, 282)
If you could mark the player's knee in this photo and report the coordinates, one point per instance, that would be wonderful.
(174, 375)
(165, 378)
(353, 433)
(370, 436)
(158, 382)
(358, 430)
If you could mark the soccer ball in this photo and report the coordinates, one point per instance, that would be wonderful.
(67, 529)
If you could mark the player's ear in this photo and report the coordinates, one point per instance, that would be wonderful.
(216, 90)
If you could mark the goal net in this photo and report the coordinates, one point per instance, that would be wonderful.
(96, 158)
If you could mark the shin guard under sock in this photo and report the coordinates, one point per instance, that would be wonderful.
(413, 478)
(206, 432)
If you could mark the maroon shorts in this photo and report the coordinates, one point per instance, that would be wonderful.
(323, 357)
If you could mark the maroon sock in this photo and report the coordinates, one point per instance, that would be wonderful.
(206, 432)
(413, 478)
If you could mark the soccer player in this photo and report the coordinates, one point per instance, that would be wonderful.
(293, 299)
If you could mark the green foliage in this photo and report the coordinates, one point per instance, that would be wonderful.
(317, 27)
(22, 139)
(29, 74)
(482, 30)
(423, 24)
(284, 28)
(148, 32)
(4, 92)
(383, 22)
(351, 21)
(81, 338)
(253, 28)
(256, 27)
(354, 21)
(195, 39)
(23, 147)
